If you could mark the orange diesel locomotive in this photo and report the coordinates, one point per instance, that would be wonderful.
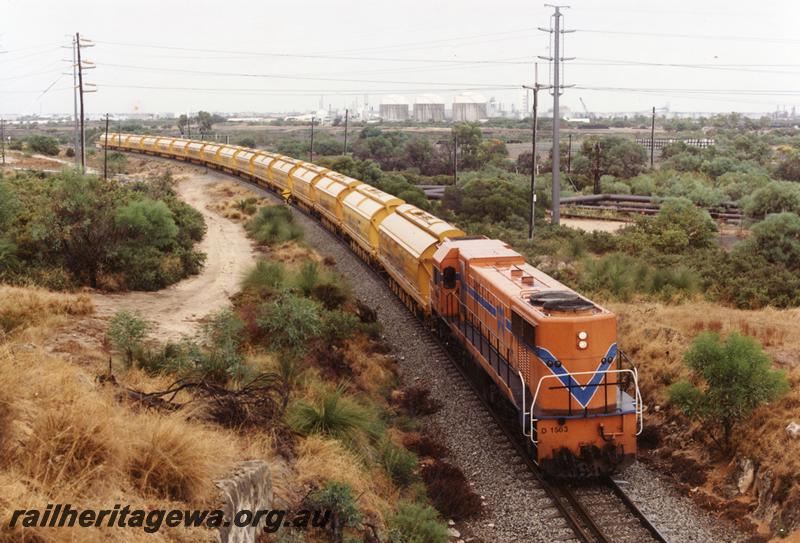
(551, 353)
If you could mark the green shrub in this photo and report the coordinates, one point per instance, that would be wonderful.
(775, 197)
(678, 227)
(735, 376)
(400, 464)
(339, 499)
(616, 274)
(127, 332)
(247, 141)
(273, 225)
(307, 277)
(413, 523)
(223, 360)
(291, 323)
(338, 326)
(266, 276)
(335, 415)
(43, 144)
(777, 240)
(331, 294)
(149, 221)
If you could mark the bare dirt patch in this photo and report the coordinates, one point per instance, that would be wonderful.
(176, 310)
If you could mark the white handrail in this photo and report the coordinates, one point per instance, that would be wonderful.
(637, 400)
(522, 379)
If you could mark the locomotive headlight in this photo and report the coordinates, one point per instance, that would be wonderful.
(583, 335)
(582, 344)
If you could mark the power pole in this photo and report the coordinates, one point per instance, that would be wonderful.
(311, 154)
(652, 136)
(105, 153)
(455, 159)
(75, 98)
(556, 33)
(596, 168)
(81, 91)
(569, 154)
(534, 128)
(346, 118)
(3, 139)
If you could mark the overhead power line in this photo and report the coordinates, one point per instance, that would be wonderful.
(712, 37)
(308, 55)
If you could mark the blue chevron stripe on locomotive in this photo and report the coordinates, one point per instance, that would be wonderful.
(582, 394)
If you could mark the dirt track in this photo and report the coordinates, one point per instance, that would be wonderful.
(176, 310)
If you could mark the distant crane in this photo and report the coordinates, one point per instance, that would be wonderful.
(586, 109)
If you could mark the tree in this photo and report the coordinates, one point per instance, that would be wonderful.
(204, 122)
(183, 122)
(777, 239)
(774, 197)
(619, 157)
(733, 379)
(43, 144)
(678, 227)
(127, 331)
(147, 221)
(247, 142)
(788, 166)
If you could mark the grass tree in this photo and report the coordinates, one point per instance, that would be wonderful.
(731, 379)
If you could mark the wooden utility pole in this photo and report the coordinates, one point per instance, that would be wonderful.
(346, 118)
(105, 153)
(455, 159)
(3, 139)
(311, 153)
(652, 136)
(80, 93)
(569, 154)
(596, 169)
(534, 128)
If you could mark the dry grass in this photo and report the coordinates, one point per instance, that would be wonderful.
(374, 372)
(172, 461)
(228, 194)
(20, 307)
(320, 460)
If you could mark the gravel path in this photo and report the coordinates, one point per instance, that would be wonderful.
(515, 508)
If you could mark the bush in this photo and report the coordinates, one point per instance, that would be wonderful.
(337, 498)
(127, 331)
(338, 326)
(678, 227)
(247, 141)
(147, 220)
(265, 276)
(291, 323)
(273, 225)
(223, 360)
(330, 294)
(736, 378)
(307, 278)
(43, 144)
(399, 463)
(335, 415)
(775, 197)
(413, 523)
(777, 240)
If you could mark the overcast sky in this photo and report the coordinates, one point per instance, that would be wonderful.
(174, 55)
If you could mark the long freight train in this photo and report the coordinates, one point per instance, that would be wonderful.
(550, 352)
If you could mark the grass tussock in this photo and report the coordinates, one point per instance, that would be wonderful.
(21, 307)
(170, 463)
